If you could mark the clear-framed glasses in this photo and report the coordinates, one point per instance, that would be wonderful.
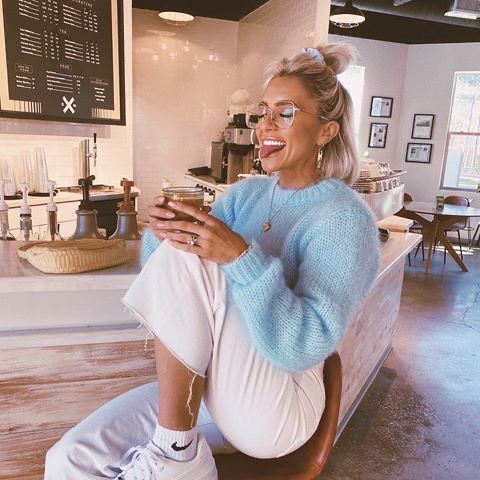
(281, 114)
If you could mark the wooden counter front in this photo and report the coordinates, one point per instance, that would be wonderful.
(50, 378)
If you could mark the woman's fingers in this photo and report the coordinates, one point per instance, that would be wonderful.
(158, 200)
(156, 212)
(191, 239)
(200, 215)
(183, 226)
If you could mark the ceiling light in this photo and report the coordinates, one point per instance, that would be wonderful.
(466, 9)
(347, 16)
(176, 18)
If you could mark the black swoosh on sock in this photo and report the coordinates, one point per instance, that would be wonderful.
(179, 449)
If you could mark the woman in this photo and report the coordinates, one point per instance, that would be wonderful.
(242, 326)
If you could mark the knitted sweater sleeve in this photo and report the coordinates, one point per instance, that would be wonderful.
(297, 327)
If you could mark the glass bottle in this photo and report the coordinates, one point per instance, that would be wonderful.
(52, 232)
(26, 230)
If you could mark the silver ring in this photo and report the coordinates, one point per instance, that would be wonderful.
(193, 240)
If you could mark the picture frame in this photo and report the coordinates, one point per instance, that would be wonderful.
(381, 107)
(79, 78)
(378, 135)
(418, 152)
(422, 126)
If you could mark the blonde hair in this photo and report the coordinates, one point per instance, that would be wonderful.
(318, 68)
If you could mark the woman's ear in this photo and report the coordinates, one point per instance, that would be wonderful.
(328, 131)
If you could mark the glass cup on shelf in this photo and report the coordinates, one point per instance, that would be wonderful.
(8, 174)
(40, 171)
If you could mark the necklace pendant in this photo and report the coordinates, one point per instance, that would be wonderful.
(267, 226)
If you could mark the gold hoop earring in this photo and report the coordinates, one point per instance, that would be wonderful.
(319, 156)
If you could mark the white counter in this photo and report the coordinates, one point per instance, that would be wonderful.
(32, 300)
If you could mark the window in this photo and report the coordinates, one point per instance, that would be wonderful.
(353, 79)
(461, 166)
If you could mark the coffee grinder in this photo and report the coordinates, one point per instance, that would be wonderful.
(235, 154)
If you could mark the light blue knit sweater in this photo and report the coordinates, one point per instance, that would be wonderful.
(302, 281)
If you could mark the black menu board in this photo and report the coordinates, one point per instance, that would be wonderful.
(62, 60)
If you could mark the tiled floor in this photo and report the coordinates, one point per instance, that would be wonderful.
(421, 417)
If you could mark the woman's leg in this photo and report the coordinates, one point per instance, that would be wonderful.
(183, 300)
(94, 448)
(262, 410)
(180, 391)
(173, 297)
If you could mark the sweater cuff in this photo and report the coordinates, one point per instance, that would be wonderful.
(248, 267)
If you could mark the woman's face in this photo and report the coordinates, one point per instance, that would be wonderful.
(292, 152)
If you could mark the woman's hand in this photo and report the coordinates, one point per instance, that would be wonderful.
(210, 238)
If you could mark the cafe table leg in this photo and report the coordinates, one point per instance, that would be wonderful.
(446, 243)
(432, 232)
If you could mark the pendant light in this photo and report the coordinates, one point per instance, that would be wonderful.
(177, 18)
(347, 16)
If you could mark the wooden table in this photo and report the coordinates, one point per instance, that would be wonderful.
(434, 229)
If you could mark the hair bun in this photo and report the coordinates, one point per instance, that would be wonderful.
(314, 53)
(338, 57)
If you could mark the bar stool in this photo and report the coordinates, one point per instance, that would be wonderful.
(307, 462)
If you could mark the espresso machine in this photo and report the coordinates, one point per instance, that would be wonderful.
(234, 155)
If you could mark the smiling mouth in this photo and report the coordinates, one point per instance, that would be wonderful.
(271, 146)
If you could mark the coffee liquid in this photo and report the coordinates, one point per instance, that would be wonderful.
(190, 195)
(195, 202)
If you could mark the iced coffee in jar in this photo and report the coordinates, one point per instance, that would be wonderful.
(190, 195)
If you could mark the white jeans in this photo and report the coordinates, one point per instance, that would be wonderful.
(249, 404)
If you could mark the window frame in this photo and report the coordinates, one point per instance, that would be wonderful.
(450, 133)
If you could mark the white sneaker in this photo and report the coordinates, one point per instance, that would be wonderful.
(148, 463)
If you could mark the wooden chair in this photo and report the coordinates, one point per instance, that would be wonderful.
(472, 241)
(461, 225)
(415, 228)
(305, 463)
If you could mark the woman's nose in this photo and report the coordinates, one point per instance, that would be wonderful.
(267, 123)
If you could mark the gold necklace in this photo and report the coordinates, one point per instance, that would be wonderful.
(268, 224)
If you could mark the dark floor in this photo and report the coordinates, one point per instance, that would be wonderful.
(421, 417)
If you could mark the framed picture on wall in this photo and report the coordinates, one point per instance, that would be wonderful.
(378, 135)
(422, 126)
(418, 152)
(67, 66)
(381, 107)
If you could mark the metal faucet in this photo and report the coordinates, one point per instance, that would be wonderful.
(86, 155)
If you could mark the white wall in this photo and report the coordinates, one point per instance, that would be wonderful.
(183, 77)
(428, 89)
(61, 140)
(420, 79)
(277, 29)
(262, 39)
(385, 64)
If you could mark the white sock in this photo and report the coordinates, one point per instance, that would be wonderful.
(177, 445)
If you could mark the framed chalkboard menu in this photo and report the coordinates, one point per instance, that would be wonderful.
(62, 60)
